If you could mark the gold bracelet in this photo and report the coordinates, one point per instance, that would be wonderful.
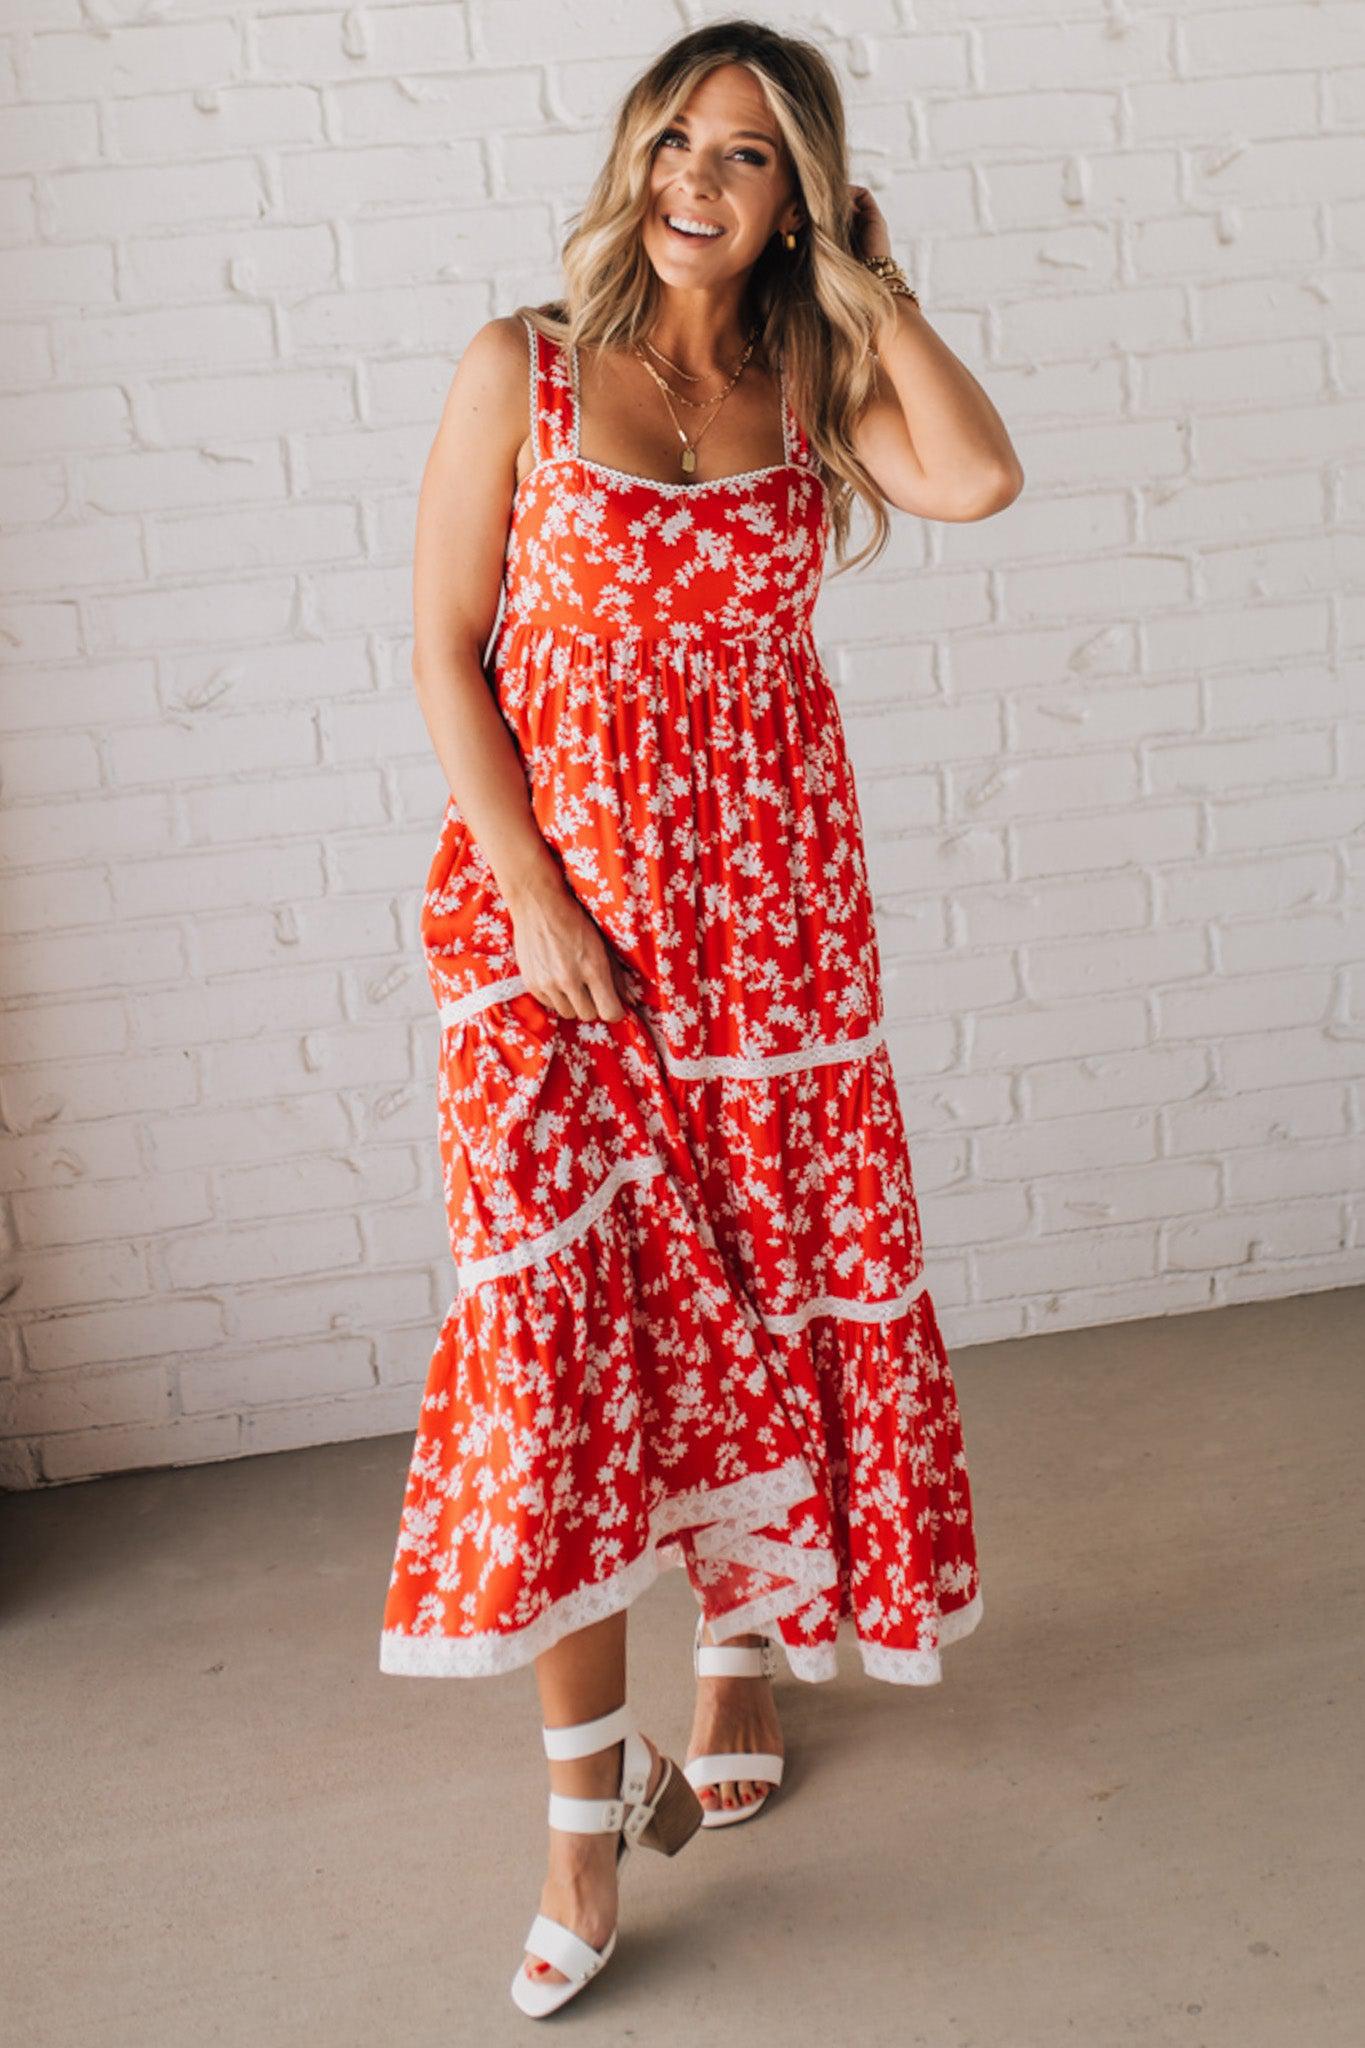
(891, 275)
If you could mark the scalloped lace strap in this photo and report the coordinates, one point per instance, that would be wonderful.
(551, 397)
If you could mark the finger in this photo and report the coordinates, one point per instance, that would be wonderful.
(555, 999)
(606, 995)
(582, 996)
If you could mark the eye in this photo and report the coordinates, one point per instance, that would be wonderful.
(754, 156)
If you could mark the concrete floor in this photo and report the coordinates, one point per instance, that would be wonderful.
(1130, 1812)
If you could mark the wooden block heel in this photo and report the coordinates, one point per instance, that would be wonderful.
(678, 1813)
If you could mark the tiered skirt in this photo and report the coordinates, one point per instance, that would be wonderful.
(691, 1325)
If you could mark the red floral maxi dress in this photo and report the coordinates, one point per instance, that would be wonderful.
(691, 1325)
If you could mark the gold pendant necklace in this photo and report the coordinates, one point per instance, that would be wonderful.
(688, 457)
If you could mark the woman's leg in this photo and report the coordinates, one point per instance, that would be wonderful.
(581, 1678)
(734, 1713)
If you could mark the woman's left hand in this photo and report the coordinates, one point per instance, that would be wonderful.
(870, 234)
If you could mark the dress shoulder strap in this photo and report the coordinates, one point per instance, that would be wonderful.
(552, 397)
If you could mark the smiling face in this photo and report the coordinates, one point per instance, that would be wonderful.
(720, 170)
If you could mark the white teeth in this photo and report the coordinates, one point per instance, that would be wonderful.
(691, 227)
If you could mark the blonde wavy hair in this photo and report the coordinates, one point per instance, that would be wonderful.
(816, 307)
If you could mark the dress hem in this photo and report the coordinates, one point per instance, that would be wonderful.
(818, 1663)
(723, 1522)
(496, 1652)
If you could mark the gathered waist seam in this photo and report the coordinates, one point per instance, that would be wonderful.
(678, 642)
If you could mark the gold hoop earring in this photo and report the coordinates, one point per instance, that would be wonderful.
(789, 238)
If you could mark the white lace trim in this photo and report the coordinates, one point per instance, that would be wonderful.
(788, 1323)
(489, 1654)
(700, 1066)
(783, 1322)
(754, 1066)
(715, 483)
(486, 1655)
(815, 1663)
(532, 365)
(761, 1496)
(737, 1508)
(497, 1264)
(459, 1007)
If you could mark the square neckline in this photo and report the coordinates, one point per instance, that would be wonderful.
(660, 483)
(807, 468)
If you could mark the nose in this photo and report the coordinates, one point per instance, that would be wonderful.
(700, 178)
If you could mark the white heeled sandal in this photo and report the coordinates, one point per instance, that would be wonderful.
(724, 1660)
(664, 1820)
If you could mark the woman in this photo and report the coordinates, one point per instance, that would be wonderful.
(691, 1325)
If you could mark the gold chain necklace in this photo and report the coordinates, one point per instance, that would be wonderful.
(689, 448)
(688, 376)
(696, 404)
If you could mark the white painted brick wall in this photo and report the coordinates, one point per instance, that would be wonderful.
(1110, 745)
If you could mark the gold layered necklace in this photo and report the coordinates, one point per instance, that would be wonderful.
(688, 456)
(688, 376)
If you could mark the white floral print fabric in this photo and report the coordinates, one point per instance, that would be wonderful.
(692, 1326)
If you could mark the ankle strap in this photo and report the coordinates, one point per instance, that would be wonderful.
(582, 1738)
(737, 1660)
(714, 1660)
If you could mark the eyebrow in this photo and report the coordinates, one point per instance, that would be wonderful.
(750, 134)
